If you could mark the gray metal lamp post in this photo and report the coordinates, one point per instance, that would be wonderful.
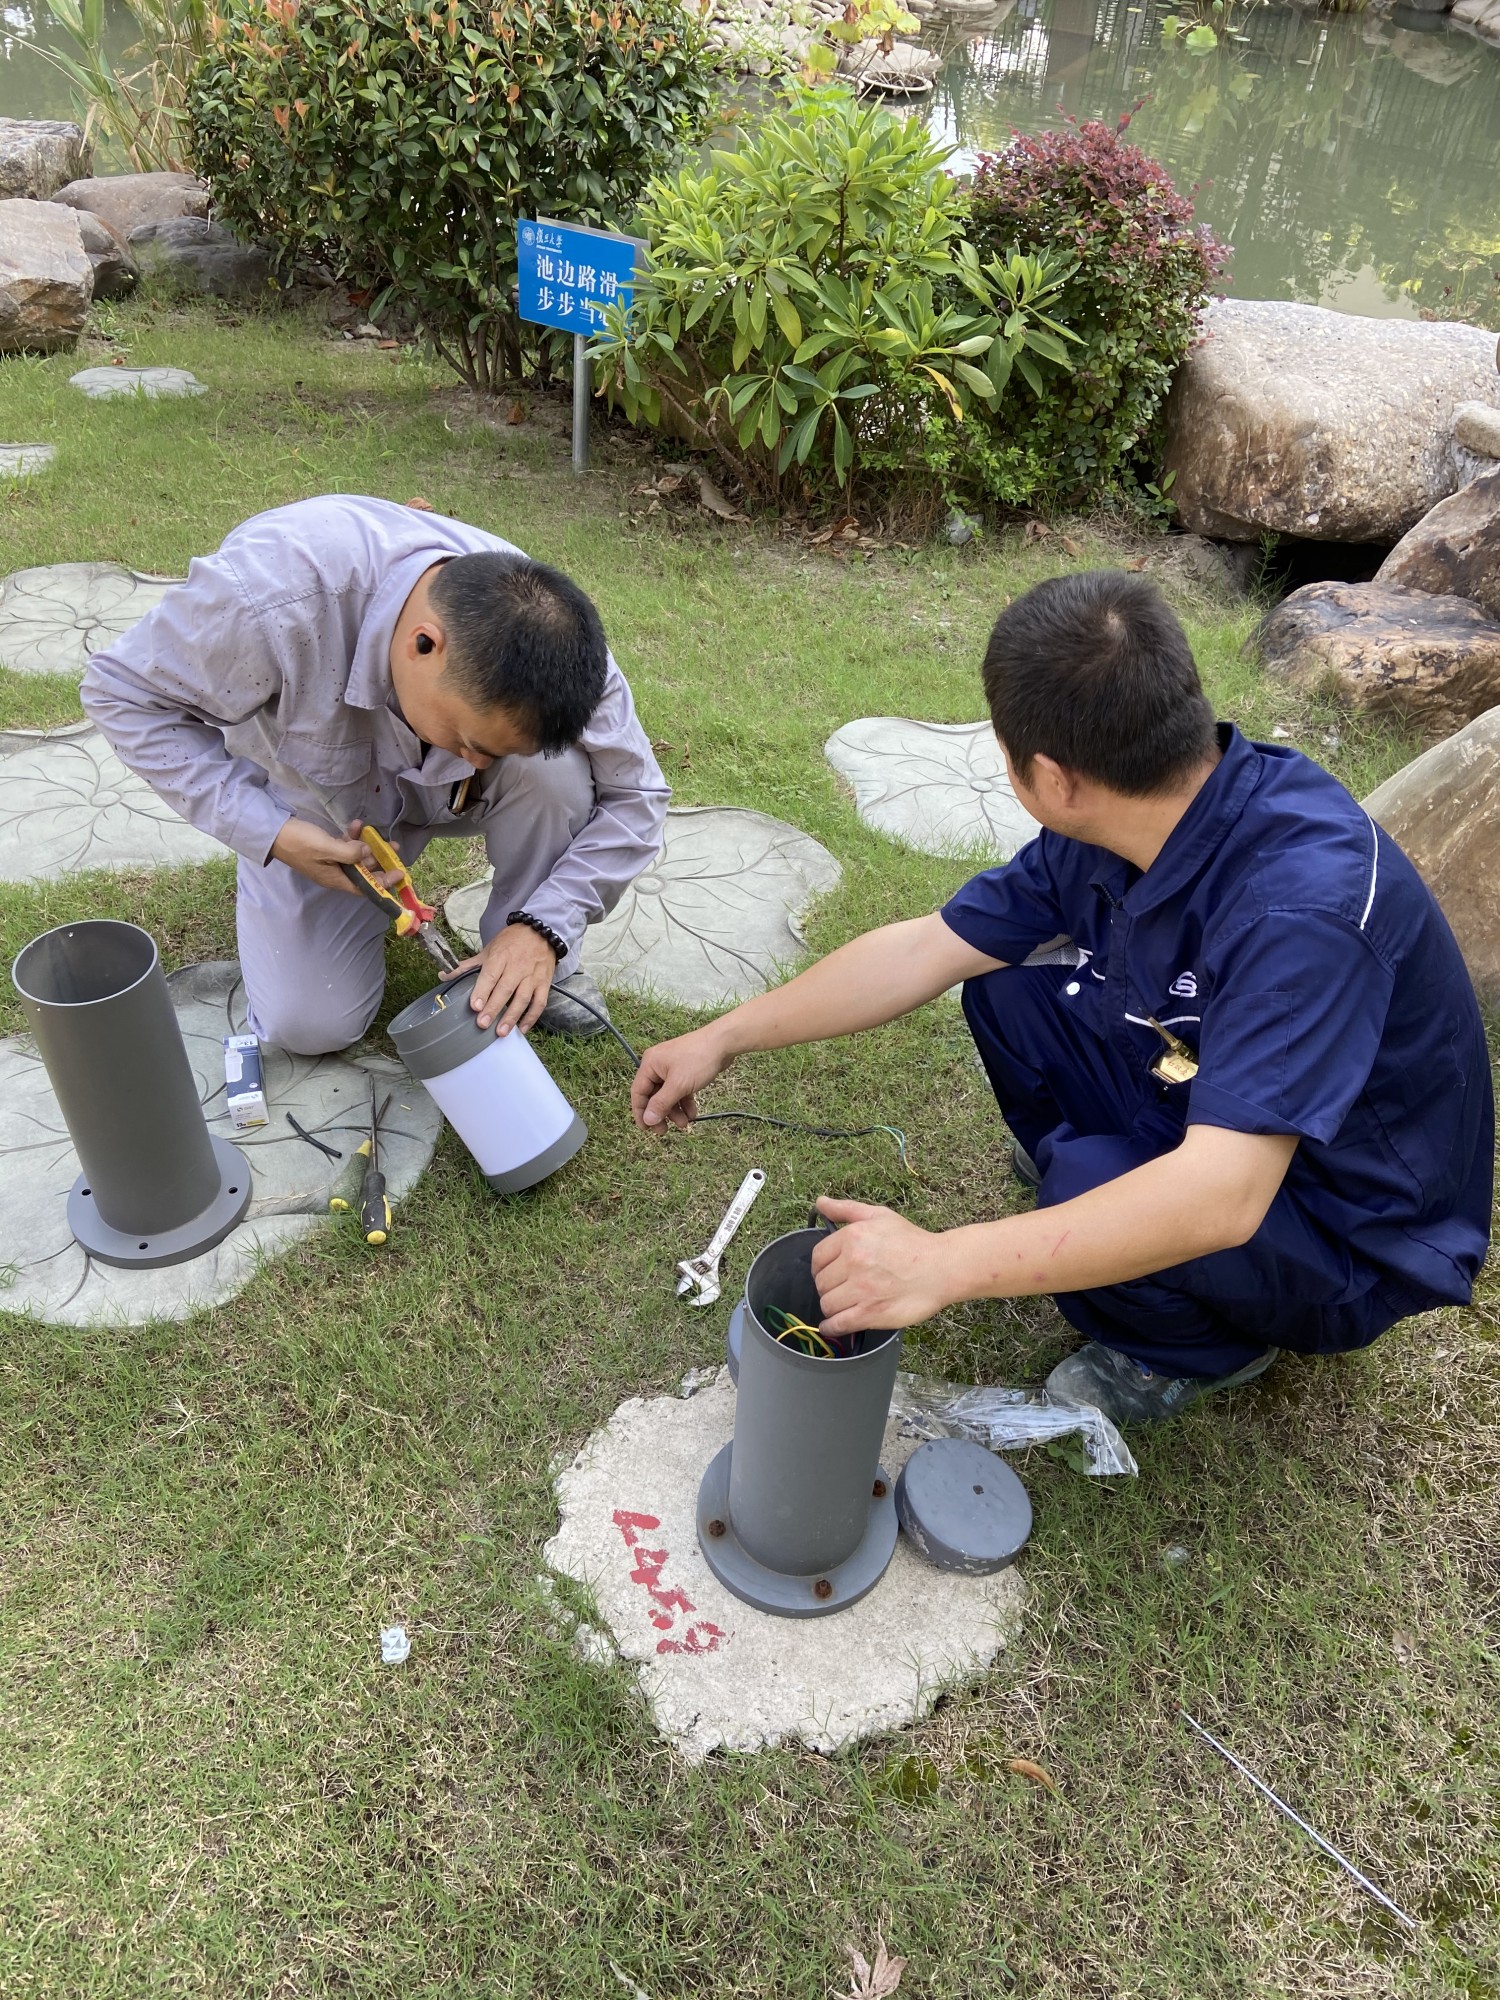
(156, 1188)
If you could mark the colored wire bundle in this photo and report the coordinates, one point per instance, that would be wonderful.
(796, 1333)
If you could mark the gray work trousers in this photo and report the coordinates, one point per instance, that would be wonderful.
(313, 959)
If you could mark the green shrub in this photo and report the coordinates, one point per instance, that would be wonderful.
(811, 314)
(404, 142)
(1139, 281)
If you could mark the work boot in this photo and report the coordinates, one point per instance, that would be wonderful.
(1129, 1393)
(1023, 1166)
(575, 1007)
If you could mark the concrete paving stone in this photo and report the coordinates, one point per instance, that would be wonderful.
(717, 1674)
(52, 619)
(715, 918)
(104, 385)
(19, 461)
(937, 786)
(68, 804)
(53, 1280)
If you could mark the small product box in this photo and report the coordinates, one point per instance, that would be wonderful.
(244, 1083)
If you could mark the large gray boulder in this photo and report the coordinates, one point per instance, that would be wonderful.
(46, 278)
(114, 267)
(1433, 662)
(1483, 16)
(1454, 550)
(1444, 811)
(130, 201)
(38, 154)
(201, 256)
(1301, 421)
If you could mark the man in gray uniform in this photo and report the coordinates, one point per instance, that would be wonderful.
(413, 673)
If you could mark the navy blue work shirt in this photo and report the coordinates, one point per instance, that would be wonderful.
(1288, 941)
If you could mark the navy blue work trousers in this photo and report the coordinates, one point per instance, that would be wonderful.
(1086, 1117)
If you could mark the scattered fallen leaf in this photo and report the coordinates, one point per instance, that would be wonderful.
(669, 483)
(516, 414)
(714, 500)
(387, 343)
(1024, 1768)
(422, 506)
(877, 1981)
(663, 748)
(1036, 531)
(117, 361)
(1073, 548)
(1140, 563)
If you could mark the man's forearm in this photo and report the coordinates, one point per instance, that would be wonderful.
(874, 979)
(1201, 1198)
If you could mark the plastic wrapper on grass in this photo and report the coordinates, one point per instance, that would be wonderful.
(1007, 1419)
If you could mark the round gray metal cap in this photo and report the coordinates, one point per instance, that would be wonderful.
(441, 1030)
(962, 1508)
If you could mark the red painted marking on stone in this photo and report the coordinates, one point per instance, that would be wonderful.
(702, 1637)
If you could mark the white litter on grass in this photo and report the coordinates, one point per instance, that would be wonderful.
(394, 1645)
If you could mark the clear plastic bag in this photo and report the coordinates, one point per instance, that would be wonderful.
(1006, 1419)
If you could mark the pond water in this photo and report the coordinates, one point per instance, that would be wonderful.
(1349, 161)
(30, 85)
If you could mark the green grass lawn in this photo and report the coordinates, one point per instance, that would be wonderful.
(209, 1784)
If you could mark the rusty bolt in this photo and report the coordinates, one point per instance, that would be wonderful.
(716, 1528)
(878, 1489)
(822, 1588)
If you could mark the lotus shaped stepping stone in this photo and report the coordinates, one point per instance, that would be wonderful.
(105, 385)
(19, 461)
(52, 619)
(715, 918)
(68, 804)
(55, 1281)
(938, 786)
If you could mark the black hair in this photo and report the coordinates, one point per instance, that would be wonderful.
(523, 637)
(1094, 671)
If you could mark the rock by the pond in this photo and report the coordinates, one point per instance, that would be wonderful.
(1443, 810)
(938, 786)
(129, 201)
(715, 918)
(115, 270)
(1456, 548)
(1483, 16)
(107, 385)
(37, 155)
(717, 1674)
(1477, 428)
(201, 256)
(68, 805)
(1388, 649)
(1302, 421)
(20, 461)
(330, 1095)
(46, 278)
(52, 619)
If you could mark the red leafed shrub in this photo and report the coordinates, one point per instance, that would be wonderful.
(1135, 297)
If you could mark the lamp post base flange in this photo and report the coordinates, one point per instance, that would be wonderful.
(813, 1596)
(132, 1251)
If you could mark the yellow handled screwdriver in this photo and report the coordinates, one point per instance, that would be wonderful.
(374, 1207)
(347, 1189)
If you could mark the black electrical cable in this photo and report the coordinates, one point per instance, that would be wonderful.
(755, 1117)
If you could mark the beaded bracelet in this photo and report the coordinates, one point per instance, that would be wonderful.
(559, 945)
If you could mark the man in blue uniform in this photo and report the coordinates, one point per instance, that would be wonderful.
(1256, 1099)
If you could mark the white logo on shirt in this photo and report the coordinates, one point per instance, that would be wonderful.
(1185, 986)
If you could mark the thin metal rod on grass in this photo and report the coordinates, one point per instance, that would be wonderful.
(1297, 1820)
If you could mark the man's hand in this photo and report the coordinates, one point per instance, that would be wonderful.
(516, 969)
(670, 1075)
(878, 1270)
(322, 857)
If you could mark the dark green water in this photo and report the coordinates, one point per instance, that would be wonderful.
(1348, 161)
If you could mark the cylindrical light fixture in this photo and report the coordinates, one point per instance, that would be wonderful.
(156, 1188)
(795, 1515)
(494, 1090)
